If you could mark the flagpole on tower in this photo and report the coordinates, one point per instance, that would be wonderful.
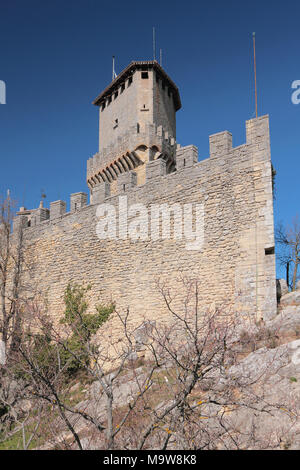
(114, 75)
(154, 43)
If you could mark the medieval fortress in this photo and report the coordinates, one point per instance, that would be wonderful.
(139, 164)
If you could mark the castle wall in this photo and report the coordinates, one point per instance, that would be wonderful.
(235, 266)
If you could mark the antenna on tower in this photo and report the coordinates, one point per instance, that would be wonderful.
(255, 83)
(114, 75)
(154, 47)
(160, 57)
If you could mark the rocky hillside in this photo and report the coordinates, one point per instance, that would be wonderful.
(246, 394)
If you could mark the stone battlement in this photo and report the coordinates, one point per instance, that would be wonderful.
(220, 145)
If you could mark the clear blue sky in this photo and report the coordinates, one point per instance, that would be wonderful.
(56, 57)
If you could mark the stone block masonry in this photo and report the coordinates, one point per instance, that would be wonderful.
(235, 268)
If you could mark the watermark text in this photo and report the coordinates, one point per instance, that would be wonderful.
(157, 222)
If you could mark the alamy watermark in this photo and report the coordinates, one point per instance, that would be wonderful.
(2, 92)
(296, 94)
(157, 222)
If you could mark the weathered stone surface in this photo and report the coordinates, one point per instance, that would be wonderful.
(142, 334)
(283, 360)
(287, 321)
(284, 286)
(292, 298)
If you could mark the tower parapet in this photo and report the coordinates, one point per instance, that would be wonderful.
(132, 151)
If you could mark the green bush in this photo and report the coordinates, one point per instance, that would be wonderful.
(83, 326)
(70, 354)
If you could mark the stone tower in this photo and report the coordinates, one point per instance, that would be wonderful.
(137, 115)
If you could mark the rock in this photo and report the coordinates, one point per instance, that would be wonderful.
(142, 334)
(282, 361)
(132, 356)
(75, 387)
(287, 321)
(88, 444)
(292, 298)
(269, 381)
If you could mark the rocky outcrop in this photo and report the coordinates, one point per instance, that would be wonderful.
(292, 298)
(286, 324)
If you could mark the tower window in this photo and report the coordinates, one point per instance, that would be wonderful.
(145, 75)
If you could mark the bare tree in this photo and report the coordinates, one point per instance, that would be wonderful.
(193, 391)
(11, 268)
(289, 239)
(13, 310)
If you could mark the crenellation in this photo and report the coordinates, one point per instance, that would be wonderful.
(41, 214)
(100, 192)
(186, 156)
(155, 169)
(220, 144)
(57, 209)
(127, 181)
(20, 222)
(77, 201)
(257, 130)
